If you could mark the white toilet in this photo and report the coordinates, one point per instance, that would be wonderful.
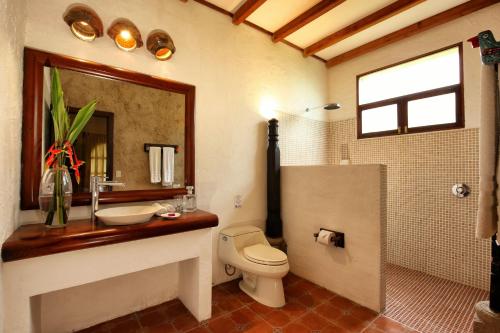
(246, 248)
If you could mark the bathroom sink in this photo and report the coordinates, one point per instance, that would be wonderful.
(125, 215)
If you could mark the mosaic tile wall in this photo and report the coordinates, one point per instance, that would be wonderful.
(428, 229)
(303, 141)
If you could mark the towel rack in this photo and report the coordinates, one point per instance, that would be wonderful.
(161, 145)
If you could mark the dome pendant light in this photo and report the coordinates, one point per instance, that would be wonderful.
(160, 44)
(125, 34)
(84, 22)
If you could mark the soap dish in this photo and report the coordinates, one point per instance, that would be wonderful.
(171, 216)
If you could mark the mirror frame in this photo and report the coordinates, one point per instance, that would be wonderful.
(34, 62)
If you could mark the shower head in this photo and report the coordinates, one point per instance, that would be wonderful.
(329, 106)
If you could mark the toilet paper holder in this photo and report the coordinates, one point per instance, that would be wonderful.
(337, 237)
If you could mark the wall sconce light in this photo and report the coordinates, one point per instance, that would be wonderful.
(160, 44)
(84, 22)
(125, 34)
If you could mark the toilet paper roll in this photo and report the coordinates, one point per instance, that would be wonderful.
(325, 237)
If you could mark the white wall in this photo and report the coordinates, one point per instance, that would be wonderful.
(342, 78)
(348, 199)
(237, 72)
(12, 20)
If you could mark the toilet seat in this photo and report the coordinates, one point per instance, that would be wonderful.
(265, 255)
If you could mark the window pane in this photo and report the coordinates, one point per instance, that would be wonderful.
(432, 111)
(384, 118)
(433, 71)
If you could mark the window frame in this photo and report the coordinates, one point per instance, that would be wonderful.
(402, 101)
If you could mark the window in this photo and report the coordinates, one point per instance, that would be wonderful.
(418, 95)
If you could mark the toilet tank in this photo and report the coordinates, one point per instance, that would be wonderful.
(232, 240)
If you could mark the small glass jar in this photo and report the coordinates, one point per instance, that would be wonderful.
(189, 200)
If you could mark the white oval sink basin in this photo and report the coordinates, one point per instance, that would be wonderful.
(125, 215)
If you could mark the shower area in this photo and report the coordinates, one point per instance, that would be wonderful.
(436, 269)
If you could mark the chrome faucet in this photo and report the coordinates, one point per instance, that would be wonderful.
(95, 188)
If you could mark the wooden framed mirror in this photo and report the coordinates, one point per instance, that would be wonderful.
(134, 108)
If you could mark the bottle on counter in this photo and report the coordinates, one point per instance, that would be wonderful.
(189, 200)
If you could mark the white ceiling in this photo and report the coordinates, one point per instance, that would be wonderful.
(273, 14)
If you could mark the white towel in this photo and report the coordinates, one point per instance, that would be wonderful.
(487, 217)
(155, 164)
(168, 166)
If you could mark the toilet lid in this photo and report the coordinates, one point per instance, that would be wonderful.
(265, 255)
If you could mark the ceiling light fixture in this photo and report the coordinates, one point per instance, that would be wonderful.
(84, 22)
(160, 44)
(125, 34)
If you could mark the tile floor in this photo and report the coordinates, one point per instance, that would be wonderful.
(309, 308)
(428, 303)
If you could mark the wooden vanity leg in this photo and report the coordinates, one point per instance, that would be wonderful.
(195, 281)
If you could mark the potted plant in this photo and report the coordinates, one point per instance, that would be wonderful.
(55, 186)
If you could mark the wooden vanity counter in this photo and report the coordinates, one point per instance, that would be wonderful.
(34, 240)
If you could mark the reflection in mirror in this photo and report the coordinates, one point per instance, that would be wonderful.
(129, 115)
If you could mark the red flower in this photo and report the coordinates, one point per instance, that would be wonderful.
(73, 159)
(52, 155)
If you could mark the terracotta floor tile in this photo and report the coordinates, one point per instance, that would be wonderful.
(217, 312)
(296, 328)
(223, 325)
(306, 285)
(294, 309)
(313, 321)
(185, 322)
(290, 278)
(260, 326)
(363, 313)
(175, 310)
(260, 309)
(219, 293)
(309, 300)
(388, 325)
(244, 298)
(294, 291)
(199, 329)
(244, 316)
(329, 311)
(342, 303)
(229, 303)
(372, 330)
(126, 326)
(163, 328)
(151, 318)
(322, 293)
(309, 309)
(94, 329)
(232, 286)
(277, 318)
(334, 329)
(351, 323)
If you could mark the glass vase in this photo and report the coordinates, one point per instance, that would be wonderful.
(55, 196)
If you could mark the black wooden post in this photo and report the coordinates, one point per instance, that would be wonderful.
(495, 248)
(274, 227)
(495, 277)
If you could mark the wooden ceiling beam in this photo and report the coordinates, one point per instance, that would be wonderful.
(246, 10)
(365, 23)
(306, 17)
(411, 30)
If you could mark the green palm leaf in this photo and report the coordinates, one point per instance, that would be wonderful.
(82, 118)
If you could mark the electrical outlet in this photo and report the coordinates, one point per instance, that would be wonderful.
(237, 201)
(118, 174)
